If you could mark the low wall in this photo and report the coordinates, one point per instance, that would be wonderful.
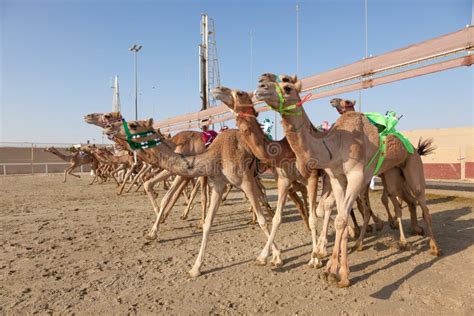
(453, 158)
(31, 160)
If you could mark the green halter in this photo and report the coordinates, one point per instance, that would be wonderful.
(285, 110)
(133, 139)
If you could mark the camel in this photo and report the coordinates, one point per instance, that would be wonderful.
(274, 153)
(397, 181)
(227, 161)
(346, 153)
(186, 142)
(77, 159)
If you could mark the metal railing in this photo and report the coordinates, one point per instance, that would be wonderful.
(434, 55)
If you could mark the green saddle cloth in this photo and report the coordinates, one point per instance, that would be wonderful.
(386, 126)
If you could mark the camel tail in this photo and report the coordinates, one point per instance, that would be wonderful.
(425, 147)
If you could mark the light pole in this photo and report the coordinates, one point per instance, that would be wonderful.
(136, 48)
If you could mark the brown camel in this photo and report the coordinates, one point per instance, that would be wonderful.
(276, 154)
(227, 160)
(77, 159)
(397, 181)
(344, 153)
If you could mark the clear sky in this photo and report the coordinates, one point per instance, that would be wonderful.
(58, 58)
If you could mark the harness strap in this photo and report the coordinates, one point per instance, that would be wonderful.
(133, 139)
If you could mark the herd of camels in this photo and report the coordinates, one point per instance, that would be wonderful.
(342, 157)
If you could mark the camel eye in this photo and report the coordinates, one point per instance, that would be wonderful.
(285, 80)
(107, 116)
(287, 89)
(133, 126)
(240, 93)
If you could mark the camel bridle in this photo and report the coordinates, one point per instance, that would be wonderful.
(134, 140)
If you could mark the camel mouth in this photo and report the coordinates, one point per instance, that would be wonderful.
(260, 95)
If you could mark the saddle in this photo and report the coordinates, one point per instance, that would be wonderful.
(208, 137)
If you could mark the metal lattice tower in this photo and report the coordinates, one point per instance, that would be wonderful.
(209, 64)
(116, 96)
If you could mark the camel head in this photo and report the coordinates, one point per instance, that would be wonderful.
(279, 95)
(277, 78)
(138, 134)
(102, 119)
(49, 149)
(237, 101)
(342, 106)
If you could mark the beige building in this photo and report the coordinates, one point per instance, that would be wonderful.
(454, 155)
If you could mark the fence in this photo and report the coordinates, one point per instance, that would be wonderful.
(438, 54)
(29, 158)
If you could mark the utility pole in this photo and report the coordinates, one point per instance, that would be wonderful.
(135, 49)
(297, 39)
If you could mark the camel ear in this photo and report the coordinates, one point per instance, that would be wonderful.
(250, 94)
(353, 102)
(294, 78)
(150, 123)
(298, 85)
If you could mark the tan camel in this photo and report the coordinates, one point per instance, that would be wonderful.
(276, 154)
(327, 198)
(344, 153)
(186, 142)
(77, 159)
(227, 160)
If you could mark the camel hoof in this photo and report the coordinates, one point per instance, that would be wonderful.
(183, 217)
(315, 263)
(200, 225)
(260, 262)
(369, 229)
(194, 273)
(403, 245)
(332, 278)
(277, 262)
(379, 226)
(358, 247)
(322, 254)
(417, 230)
(343, 283)
(150, 236)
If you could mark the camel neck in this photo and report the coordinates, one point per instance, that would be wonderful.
(60, 155)
(261, 147)
(306, 142)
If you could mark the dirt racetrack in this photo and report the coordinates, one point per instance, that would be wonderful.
(74, 248)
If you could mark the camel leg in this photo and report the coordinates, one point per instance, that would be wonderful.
(65, 173)
(300, 205)
(356, 181)
(411, 202)
(228, 189)
(283, 186)
(204, 194)
(174, 198)
(415, 178)
(125, 179)
(144, 169)
(152, 234)
(251, 190)
(216, 197)
(190, 204)
(366, 212)
(312, 186)
(377, 221)
(384, 200)
(326, 202)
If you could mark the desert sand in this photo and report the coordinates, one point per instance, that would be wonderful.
(74, 248)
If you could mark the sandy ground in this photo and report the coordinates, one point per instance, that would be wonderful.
(74, 248)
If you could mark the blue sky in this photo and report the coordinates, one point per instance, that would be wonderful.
(58, 58)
